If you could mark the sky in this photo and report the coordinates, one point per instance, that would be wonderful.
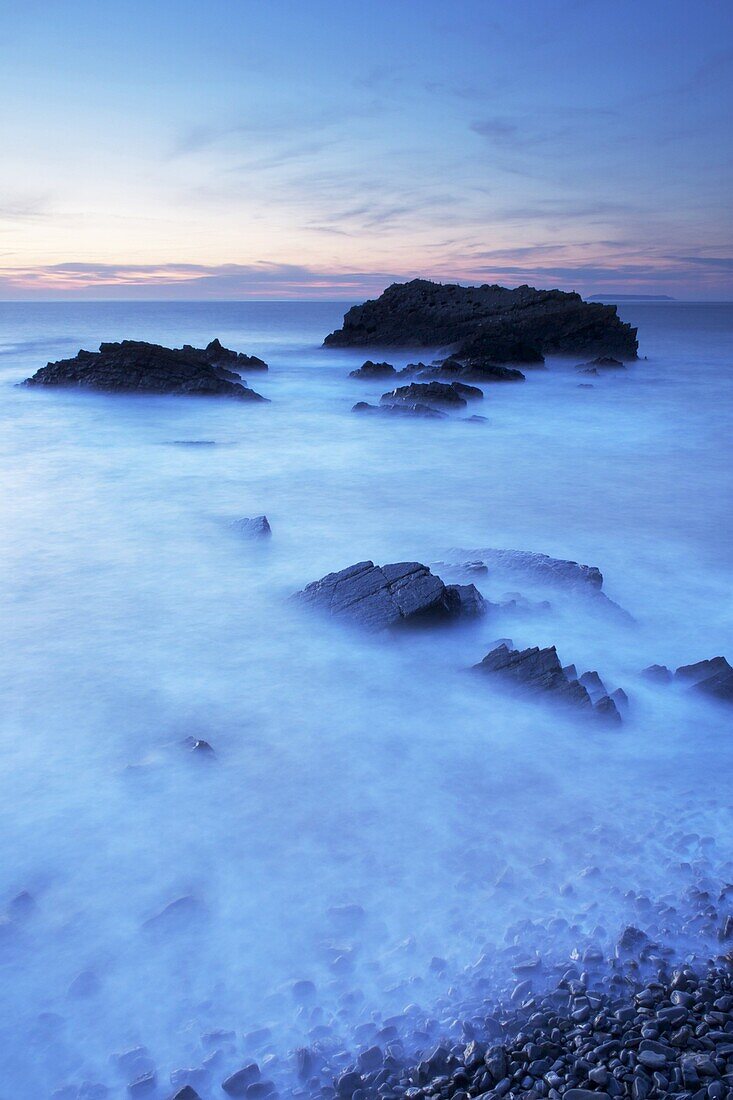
(321, 149)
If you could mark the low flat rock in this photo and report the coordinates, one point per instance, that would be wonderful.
(424, 411)
(474, 370)
(449, 394)
(373, 370)
(540, 671)
(133, 366)
(542, 568)
(489, 322)
(384, 597)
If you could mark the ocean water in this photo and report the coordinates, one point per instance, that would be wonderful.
(349, 770)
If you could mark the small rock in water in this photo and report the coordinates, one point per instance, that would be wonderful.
(658, 674)
(239, 1082)
(253, 527)
(198, 746)
(593, 684)
(186, 1093)
(143, 1085)
(373, 370)
(22, 905)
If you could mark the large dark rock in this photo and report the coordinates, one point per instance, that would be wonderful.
(451, 394)
(540, 671)
(488, 322)
(135, 366)
(383, 597)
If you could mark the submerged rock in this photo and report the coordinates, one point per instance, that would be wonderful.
(181, 913)
(373, 370)
(253, 527)
(535, 567)
(424, 411)
(539, 671)
(383, 597)
(602, 362)
(658, 674)
(452, 394)
(489, 322)
(134, 366)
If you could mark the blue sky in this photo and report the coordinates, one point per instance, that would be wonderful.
(241, 148)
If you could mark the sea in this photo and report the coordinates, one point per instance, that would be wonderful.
(371, 780)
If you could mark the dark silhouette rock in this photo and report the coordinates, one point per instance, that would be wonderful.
(488, 322)
(417, 409)
(253, 527)
(134, 366)
(187, 1093)
(238, 1083)
(452, 369)
(219, 356)
(713, 677)
(539, 671)
(593, 684)
(452, 394)
(373, 370)
(380, 598)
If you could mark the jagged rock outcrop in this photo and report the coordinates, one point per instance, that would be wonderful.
(382, 597)
(540, 671)
(713, 677)
(493, 323)
(373, 370)
(450, 394)
(134, 366)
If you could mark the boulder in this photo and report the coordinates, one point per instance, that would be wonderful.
(539, 671)
(385, 597)
(134, 366)
(488, 322)
(452, 395)
(253, 527)
(424, 411)
(373, 370)
(238, 1083)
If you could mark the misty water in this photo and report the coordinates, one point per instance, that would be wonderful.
(350, 770)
